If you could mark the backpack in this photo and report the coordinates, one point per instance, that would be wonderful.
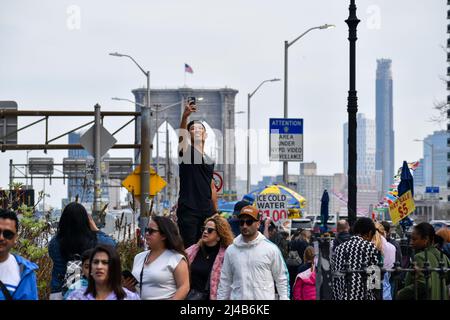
(74, 271)
(293, 259)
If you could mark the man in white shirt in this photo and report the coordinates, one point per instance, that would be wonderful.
(252, 264)
(17, 275)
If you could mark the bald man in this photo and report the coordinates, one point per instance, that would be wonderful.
(342, 229)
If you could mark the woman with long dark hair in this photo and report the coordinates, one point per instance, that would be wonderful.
(105, 278)
(206, 257)
(76, 233)
(162, 272)
(423, 240)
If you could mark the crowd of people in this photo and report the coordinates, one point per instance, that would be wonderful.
(220, 265)
(203, 256)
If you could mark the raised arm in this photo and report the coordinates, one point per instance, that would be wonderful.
(183, 135)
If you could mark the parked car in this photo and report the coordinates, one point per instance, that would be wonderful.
(331, 224)
(311, 217)
(304, 223)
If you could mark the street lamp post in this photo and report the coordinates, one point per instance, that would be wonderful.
(229, 177)
(352, 109)
(249, 96)
(145, 148)
(286, 47)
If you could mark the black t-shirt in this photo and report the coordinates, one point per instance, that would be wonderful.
(196, 173)
(202, 265)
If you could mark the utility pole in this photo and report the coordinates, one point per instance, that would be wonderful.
(157, 154)
(97, 172)
(166, 191)
(145, 160)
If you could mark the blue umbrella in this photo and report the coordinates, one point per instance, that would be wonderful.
(406, 184)
(406, 181)
(324, 210)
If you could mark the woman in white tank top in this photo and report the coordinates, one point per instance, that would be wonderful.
(162, 272)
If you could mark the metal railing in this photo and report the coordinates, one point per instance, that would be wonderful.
(373, 276)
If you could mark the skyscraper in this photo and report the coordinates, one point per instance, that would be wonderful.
(384, 160)
(365, 146)
(435, 159)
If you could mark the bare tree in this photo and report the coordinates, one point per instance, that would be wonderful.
(440, 106)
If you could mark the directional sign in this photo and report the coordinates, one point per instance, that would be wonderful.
(286, 139)
(218, 181)
(107, 140)
(133, 182)
(431, 189)
(402, 207)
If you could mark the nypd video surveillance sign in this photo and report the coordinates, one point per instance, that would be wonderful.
(286, 139)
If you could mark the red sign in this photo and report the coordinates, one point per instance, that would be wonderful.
(218, 181)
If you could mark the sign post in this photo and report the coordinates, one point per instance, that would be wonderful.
(286, 139)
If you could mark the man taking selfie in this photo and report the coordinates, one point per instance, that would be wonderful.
(197, 198)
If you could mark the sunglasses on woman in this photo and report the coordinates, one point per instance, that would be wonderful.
(7, 234)
(151, 230)
(208, 229)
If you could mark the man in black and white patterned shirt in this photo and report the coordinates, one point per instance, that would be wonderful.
(358, 252)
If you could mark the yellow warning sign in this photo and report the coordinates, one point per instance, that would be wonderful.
(133, 182)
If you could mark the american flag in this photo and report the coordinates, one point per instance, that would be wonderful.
(187, 68)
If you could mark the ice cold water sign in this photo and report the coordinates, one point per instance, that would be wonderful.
(273, 206)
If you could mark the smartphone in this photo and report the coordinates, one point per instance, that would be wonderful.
(127, 274)
(191, 100)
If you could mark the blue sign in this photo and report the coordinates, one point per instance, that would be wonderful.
(286, 126)
(286, 139)
(431, 189)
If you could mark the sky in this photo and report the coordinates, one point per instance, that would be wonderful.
(54, 56)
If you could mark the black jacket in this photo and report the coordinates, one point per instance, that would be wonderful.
(341, 238)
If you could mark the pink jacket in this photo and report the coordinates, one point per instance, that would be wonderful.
(305, 286)
(215, 272)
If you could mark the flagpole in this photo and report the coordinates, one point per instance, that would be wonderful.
(185, 77)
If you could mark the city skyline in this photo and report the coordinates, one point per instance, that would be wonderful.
(384, 122)
(52, 62)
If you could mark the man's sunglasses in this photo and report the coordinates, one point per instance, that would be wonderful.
(151, 230)
(209, 230)
(7, 234)
(248, 222)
